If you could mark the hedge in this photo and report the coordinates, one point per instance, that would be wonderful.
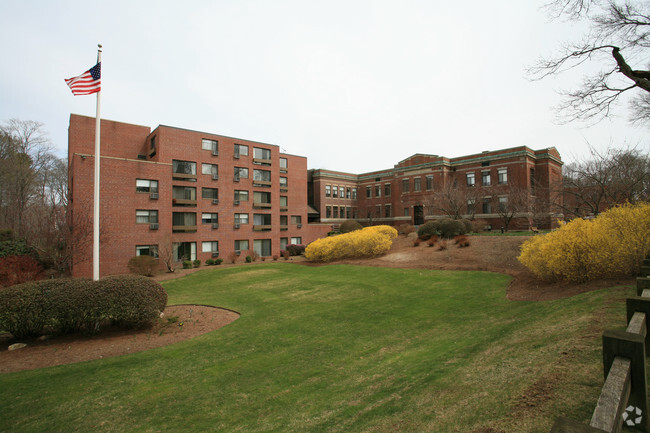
(70, 305)
(368, 242)
(445, 227)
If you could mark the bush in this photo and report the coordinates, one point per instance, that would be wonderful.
(196, 263)
(285, 254)
(451, 228)
(209, 262)
(249, 259)
(612, 245)
(479, 225)
(275, 257)
(426, 230)
(295, 250)
(233, 257)
(405, 229)
(143, 265)
(468, 225)
(350, 226)
(187, 264)
(218, 261)
(432, 240)
(68, 305)
(333, 233)
(18, 270)
(416, 242)
(253, 255)
(442, 245)
(15, 247)
(368, 242)
(462, 241)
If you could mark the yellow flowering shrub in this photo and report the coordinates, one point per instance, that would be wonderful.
(612, 245)
(368, 242)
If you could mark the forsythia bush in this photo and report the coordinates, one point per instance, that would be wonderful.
(614, 244)
(368, 242)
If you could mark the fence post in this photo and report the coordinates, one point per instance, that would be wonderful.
(632, 347)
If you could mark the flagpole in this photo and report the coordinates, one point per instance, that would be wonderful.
(96, 194)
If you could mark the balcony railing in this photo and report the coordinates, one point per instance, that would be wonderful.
(183, 176)
(184, 228)
(261, 228)
(183, 202)
(258, 204)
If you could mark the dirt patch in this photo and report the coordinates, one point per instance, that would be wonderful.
(180, 322)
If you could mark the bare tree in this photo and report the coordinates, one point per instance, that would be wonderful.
(616, 27)
(512, 201)
(450, 200)
(604, 180)
(166, 252)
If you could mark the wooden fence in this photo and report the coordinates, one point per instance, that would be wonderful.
(624, 397)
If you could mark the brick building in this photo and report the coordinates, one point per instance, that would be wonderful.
(516, 183)
(196, 194)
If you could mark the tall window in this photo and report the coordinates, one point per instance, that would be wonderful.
(328, 190)
(284, 182)
(284, 220)
(347, 193)
(486, 178)
(283, 201)
(210, 193)
(348, 212)
(405, 185)
(387, 211)
(487, 205)
(241, 150)
(471, 206)
(335, 192)
(184, 251)
(377, 190)
(502, 174)
(417, 184)
(407, 211)
(146, 185)
(261, 219)
(210, 247)
(241, 245)
(471, 179)
(354, 194)
(283, 243)
(284, 163)
(262, 247)
(328, 211)
(146, 216)
(184, 219)
(261, 197)
(368, 192)
(211, 145)
(184, 170)
(503, 204)
(335, 209)
(387, 189)
(260, 153)
(184, 193)
(429, 182)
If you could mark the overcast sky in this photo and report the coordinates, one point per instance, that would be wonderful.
(352, 85)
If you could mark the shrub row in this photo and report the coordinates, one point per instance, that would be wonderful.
(446, 228)
(612, 245)
(71, 305)
(368, 242)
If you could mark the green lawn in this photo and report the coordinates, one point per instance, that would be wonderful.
(338, 349)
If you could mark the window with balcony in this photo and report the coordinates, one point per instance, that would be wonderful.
(284, 222)
(241, 150)
(284, 183)
(261, 199)
(146, 250)
(328, 191)
(241, 218)
(210, 218)
(387, 190)
(429, 182)
(417, 184)
(502, 174)
(183, 221)
(241, 195)
(486, 178)
(184, 251)
(210, 170)
(261, 156)
(471, 179)
(262, 177)
(261, 222)
(146, 216)
(210, 193)
(211, 145)
(262, 247)
(241, 173)
(147, 186)
(210, 247)
(241, 245)
(296, 219)
(184, 170)
(183, 196)
(405, 185)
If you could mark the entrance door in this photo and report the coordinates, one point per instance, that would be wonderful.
(418, 215)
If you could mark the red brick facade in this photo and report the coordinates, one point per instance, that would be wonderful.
(411, 192)
(180, 188)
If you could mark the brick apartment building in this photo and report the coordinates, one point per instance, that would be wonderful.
(200, 195)
(489, 186)
(197, 194)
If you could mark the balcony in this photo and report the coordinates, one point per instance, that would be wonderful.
(183, 202)
(183, 176)
(261, 205)
(261, 161)
(262, 228)
(184, 228)
(284, 208)
(261, 183)
(284, 227)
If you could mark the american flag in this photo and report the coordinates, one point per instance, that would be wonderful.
(87, 83)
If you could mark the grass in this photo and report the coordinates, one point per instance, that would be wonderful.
(339, 348)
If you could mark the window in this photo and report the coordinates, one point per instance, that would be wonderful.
(347, 193)
(342, 211)
(405, 185)
(487, 205)
(241, 218)
(387, 211)
(284, 220)
(328, 211)
(471, 206)
(368, 192)
(471, 179)
(261, 176)
(283, 163)
(241, 150)
(184, 251)
(429, 182)
(146, 185)
(502, 174)
(296, 241)
(503, 204)
(210, 193)
(183, 193)
(261, 198)
(341, 192)
(328, 190)
(378, 211)
(146, 216)
(348, 212)
(377, 190)
(284, 182)
(181, 220)
(336, 212)
(486, 178)
(241, 245)
(184, 170)
(406, 211)
(417, 184)
(211, 169)
(241, 195)
(283, 243)
(354, 194)
(387, 189)
(211, 145)
(210, 218)
(146, 250)
(262, 247)
(335, 192)
(261, 219)
(210, 247)
(241, 173)
(283, 201)
(259, 153)
(296, 219)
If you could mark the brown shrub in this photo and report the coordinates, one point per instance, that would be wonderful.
(405, 229)
(442, 245)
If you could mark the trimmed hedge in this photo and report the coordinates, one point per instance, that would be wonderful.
(295, 250)
(447, 228)
(369, 242)
(70, 305)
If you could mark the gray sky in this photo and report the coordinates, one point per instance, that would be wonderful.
(352, 85)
